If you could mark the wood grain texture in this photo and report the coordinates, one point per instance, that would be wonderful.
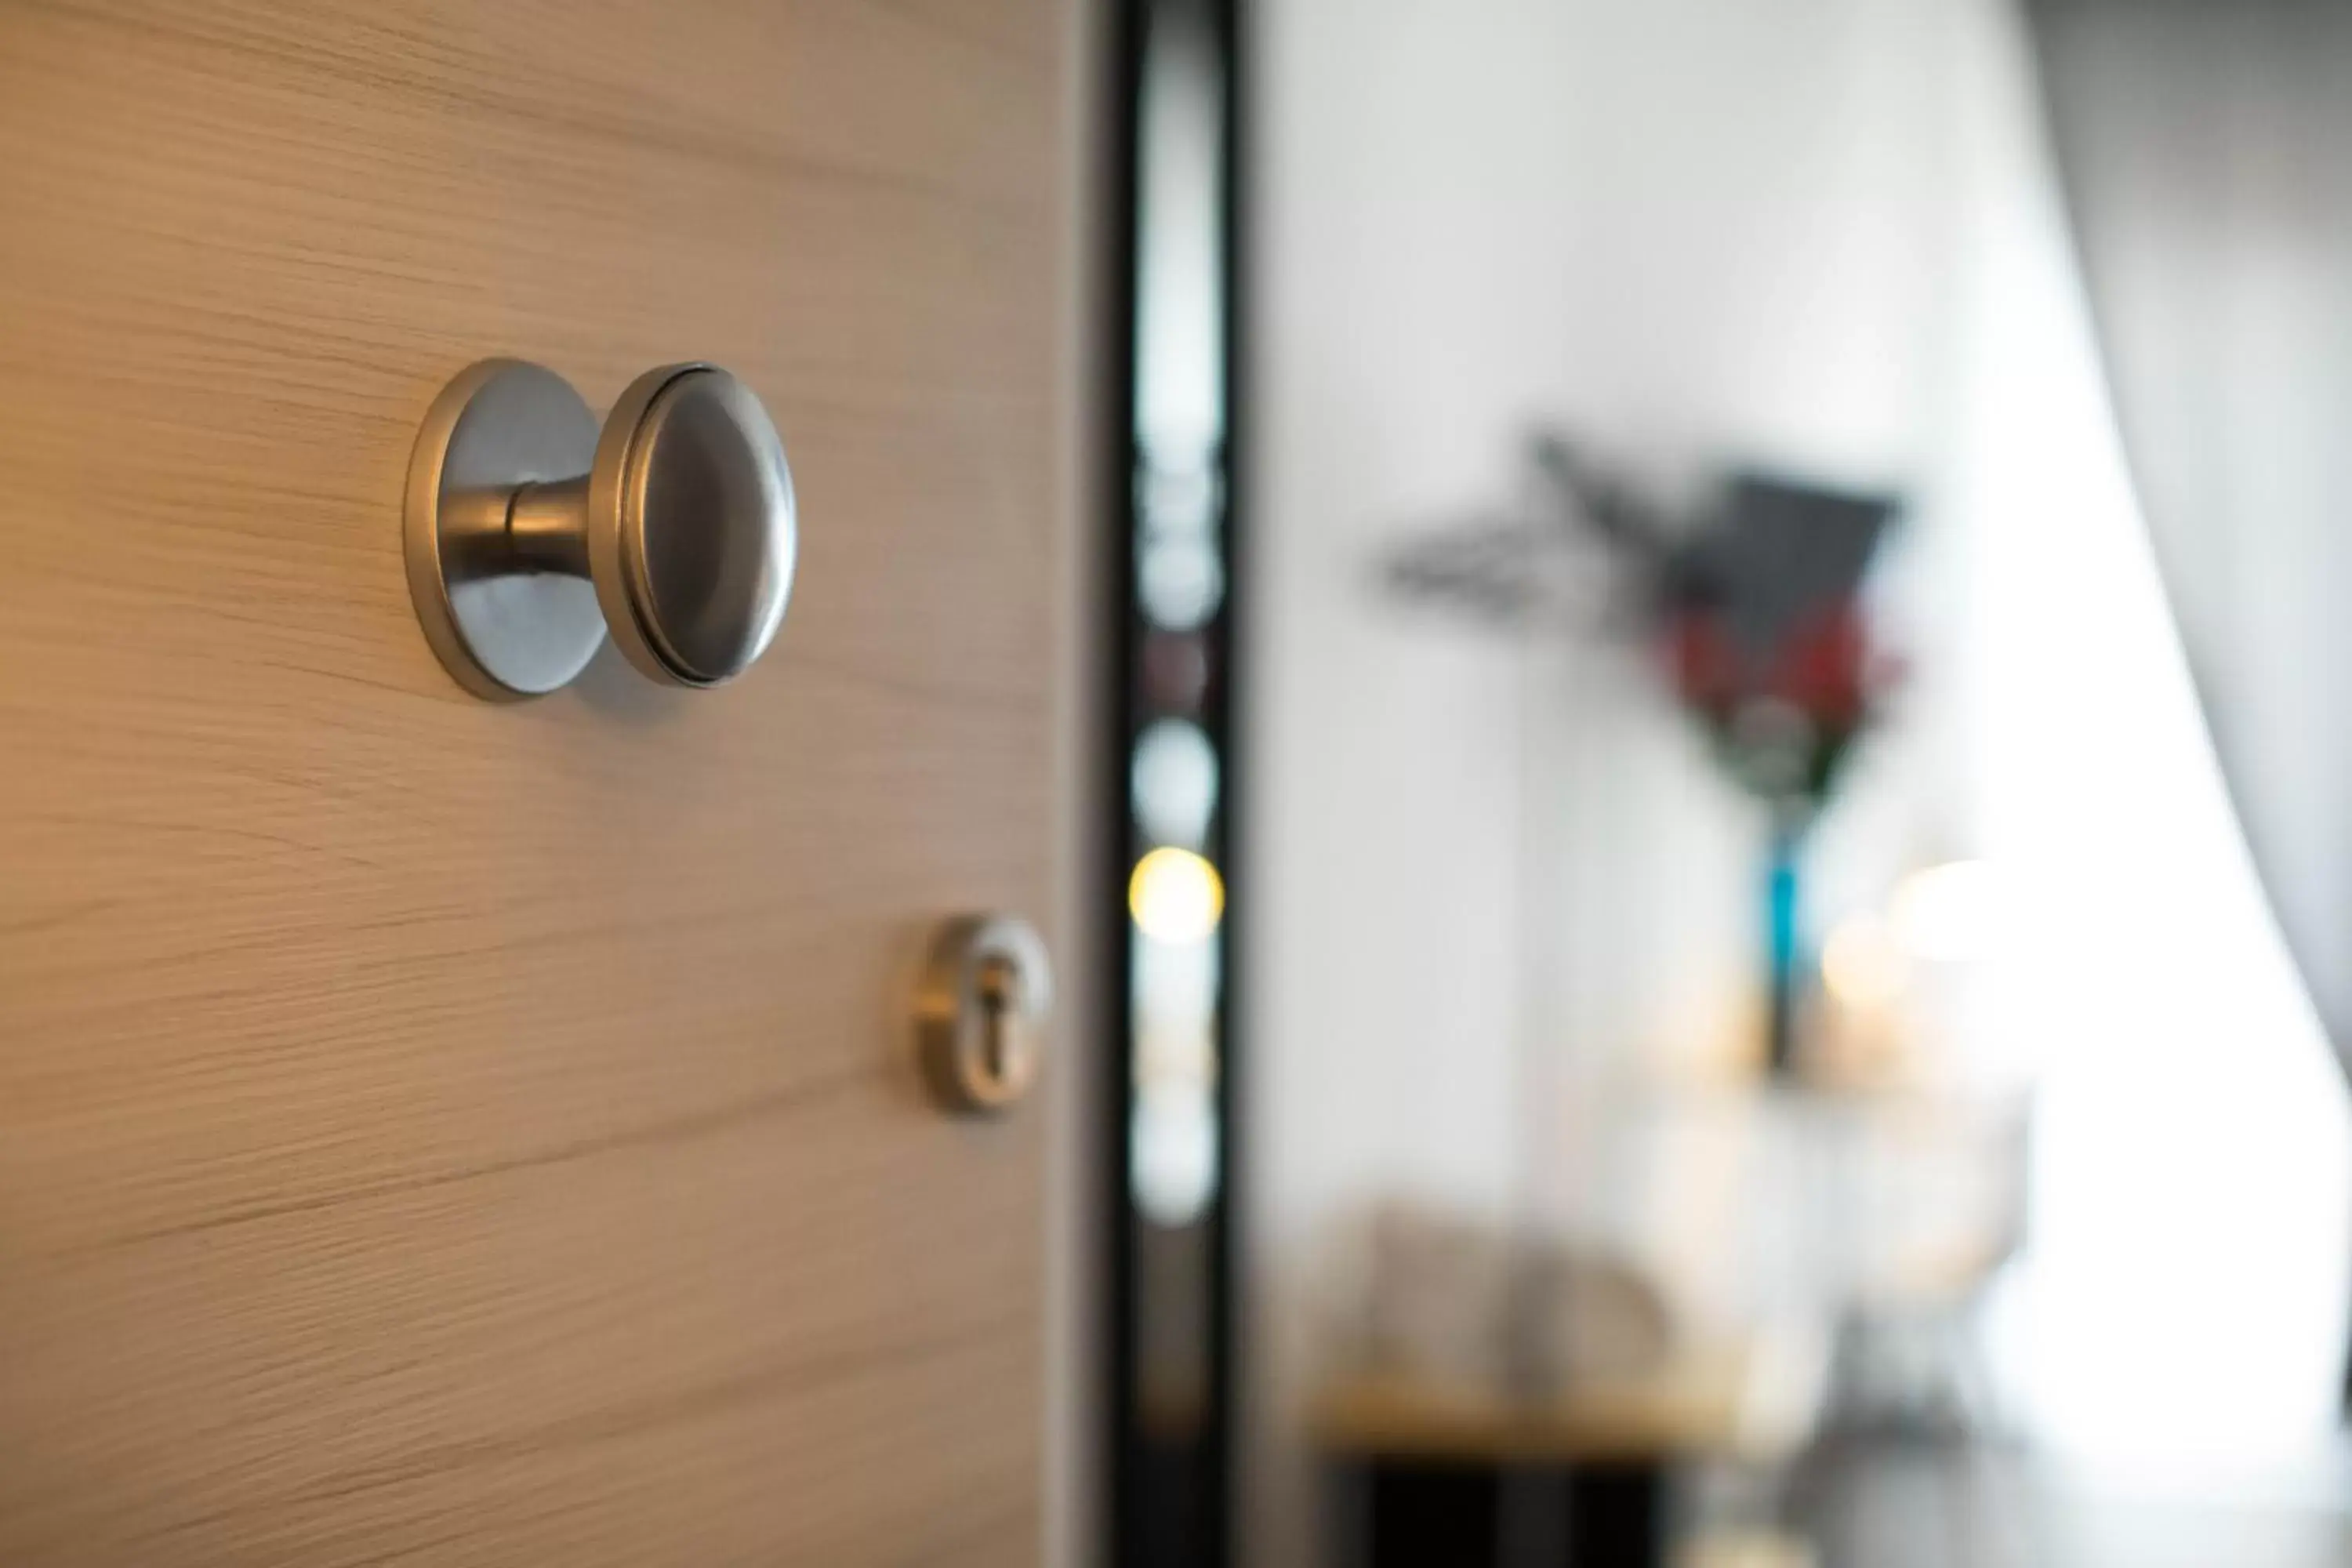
(443, 1132)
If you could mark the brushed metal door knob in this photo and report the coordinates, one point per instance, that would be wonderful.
(530, 535)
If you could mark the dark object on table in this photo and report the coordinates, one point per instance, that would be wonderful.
(1417, 1512)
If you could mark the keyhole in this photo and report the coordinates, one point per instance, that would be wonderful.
(997, 983)
(981, 1012)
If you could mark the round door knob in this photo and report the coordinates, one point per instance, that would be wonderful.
(530, 535)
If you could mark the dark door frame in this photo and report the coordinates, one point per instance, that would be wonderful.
(1171, 1486)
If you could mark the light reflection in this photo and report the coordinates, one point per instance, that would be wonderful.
(1173, 1144)
(1172, 1127)
(1174, 783)
(1174, 983)
(1176, 896)
(1861, 964)
(1947, 913)
(1182, 582)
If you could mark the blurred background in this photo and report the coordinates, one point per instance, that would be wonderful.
(1728, 707)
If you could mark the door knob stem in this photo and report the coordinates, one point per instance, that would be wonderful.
(547, 527)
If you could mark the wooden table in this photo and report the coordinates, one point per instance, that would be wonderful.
(1424, 1474)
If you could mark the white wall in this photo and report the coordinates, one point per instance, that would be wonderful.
(1686, 229)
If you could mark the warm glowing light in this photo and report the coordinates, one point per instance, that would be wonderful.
(1949, 913)
(1176, 896)
(1861, 964)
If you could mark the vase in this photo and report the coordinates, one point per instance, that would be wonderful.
(1786, 960)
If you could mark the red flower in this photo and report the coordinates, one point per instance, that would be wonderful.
(1706, 666)
(1823, 668)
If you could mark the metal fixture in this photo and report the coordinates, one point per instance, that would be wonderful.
(980, 1009)
(529, 535)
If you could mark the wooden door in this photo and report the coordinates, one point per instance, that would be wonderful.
(447, 1132)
